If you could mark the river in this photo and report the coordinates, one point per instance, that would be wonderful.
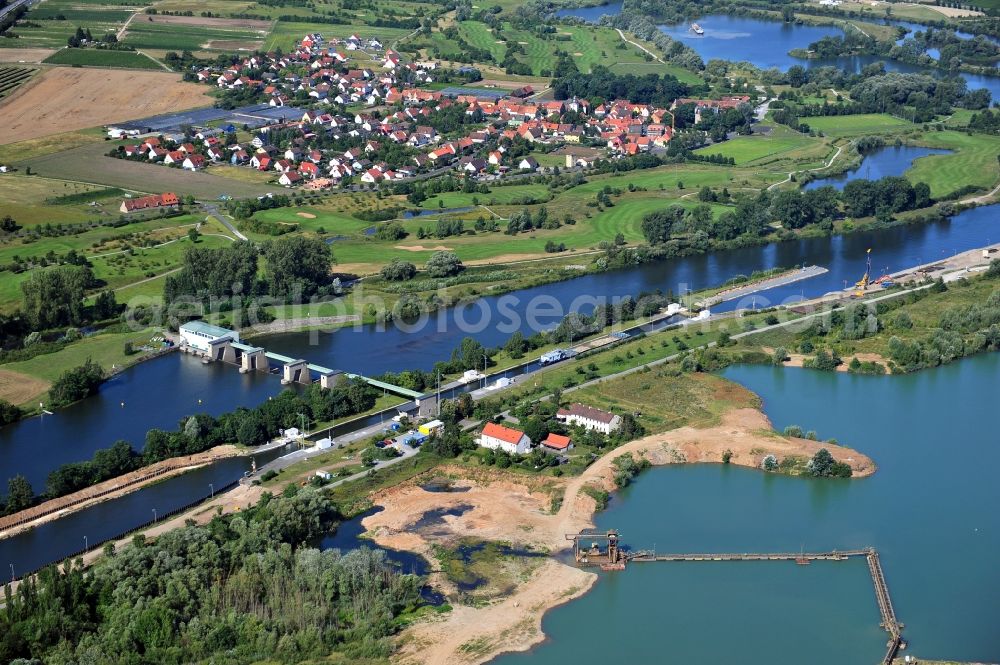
(176, 380)
(159, 393)
(930, 510)
(766, 44)
(886, 161)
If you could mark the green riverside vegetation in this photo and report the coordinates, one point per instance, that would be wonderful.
(242, 588)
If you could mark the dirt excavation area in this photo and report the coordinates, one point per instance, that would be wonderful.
(493, 506)
(67, 98)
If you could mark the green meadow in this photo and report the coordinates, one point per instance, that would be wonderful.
(858, 125)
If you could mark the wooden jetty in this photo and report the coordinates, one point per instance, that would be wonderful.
(604, 550)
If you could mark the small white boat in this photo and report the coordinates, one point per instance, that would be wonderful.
(698, 30)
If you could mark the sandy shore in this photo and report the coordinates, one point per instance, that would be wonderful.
(511, 508)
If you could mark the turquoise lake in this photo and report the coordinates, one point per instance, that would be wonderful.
(930, 510)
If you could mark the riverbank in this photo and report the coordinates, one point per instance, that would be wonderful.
(494, 506)
(54, 509)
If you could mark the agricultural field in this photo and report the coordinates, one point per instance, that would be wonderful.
(90, 164)
(85, 57)
(859, 125)
(56, 20)
(12, 77)
(64, 99)
(287, 33)
(24, 55)
(32, 200)
(21, 150)
(184, 33)
(655, 189)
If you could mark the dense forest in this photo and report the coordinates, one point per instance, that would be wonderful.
(242, 588)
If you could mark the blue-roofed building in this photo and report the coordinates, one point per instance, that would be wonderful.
(199, 335)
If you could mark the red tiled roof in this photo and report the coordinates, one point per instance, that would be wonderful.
(557, 441)
(503, 433)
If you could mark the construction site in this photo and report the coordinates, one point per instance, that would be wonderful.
(605, 550)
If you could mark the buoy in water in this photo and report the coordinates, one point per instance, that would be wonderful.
(123, 404)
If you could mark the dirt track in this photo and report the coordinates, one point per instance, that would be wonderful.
(67, 98)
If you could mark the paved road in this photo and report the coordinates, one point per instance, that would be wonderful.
(213, 211)
(14, 5)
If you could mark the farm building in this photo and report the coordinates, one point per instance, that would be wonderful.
(165, 200)
(198, 334)
(504, 438)
(589, 418)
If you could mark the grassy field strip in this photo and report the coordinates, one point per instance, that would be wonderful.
(101, 58)
(858, 125)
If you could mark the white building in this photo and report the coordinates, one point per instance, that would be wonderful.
(590, 418)
(504, 438)
(198, 334)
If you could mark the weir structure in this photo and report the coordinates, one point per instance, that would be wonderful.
(293, 370)
(594, 548)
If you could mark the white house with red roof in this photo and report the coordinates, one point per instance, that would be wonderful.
(194, 162)
(290, 178)
(508, 439)
(589, 418)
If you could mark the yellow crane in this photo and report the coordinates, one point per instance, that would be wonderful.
(862, 284)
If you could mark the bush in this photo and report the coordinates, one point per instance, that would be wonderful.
(822, 465)
(398, 271)
(77, 383)
(444, 264)
(8, 412)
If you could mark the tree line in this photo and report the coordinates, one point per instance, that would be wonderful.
(794, 209)
(602, 84)
(296, 266)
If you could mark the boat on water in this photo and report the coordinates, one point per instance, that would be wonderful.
(697, 29)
